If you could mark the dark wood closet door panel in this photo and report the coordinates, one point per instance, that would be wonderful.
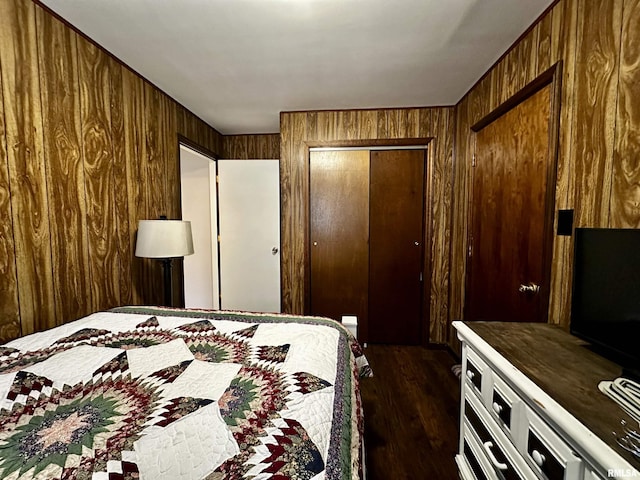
(396, 233)
(339, 233)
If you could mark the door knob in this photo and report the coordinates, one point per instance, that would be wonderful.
(531, 288)
(274, 251)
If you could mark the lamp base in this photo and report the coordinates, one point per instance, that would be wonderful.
(168, 282)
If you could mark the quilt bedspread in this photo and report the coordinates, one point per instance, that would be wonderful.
(155, 393)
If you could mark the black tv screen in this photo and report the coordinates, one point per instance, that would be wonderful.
(605, 305)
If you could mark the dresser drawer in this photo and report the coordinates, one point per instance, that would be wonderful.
(504, 405)
(501, 455)
(477, 373)
(472, 462)
(549, 456)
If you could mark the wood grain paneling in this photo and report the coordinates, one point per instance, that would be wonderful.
(92, 150)
(300, 198)
(121, 198)
(367, 124)
(156, 170)
(298, 129)
(563, 42)
(169, 125)
(438, 221)
(9, 306)
(460, 210)
(95, 110)
(598, 148)
(286, 266)
(543, 56)
(251, 147)
(625, 205)
(518, 68)
(597, 57)
(135, 151)
(65, 169)
(155, 185)
(27, 170)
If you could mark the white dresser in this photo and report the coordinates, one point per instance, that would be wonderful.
(531, 408)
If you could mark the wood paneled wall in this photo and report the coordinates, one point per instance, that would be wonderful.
(87, 148)
(598, 42)
(251, 147)
(297, 129)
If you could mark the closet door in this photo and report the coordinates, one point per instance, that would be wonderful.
(396, 251)
(249, 219)
(339, 233)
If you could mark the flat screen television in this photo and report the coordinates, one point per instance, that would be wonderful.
(605, 304)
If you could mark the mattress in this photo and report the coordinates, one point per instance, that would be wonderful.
(156, 393)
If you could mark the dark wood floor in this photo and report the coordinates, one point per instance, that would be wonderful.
(411, 413)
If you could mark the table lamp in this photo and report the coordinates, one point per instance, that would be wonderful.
(164, 240)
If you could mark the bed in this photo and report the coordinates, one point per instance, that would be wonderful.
(158, 393)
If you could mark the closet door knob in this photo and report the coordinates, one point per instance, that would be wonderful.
(274, 251)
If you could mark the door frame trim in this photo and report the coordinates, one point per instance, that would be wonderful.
(369, 144)
(380, 148)
(552, 76)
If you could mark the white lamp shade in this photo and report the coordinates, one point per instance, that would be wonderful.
(164, 239)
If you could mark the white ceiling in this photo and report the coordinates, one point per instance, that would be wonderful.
(238, 63)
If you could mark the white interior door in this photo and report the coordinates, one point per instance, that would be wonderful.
(198, 180)
(249, 222)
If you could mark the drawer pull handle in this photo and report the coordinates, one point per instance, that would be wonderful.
(470, 374)
(538, 458)
(497, 408)
(500, 466)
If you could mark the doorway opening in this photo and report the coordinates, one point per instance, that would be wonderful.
(199, 206)
(234, 209)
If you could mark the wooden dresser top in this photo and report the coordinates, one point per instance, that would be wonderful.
(566, 369)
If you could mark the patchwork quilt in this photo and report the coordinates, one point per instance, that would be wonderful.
(155, 393)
